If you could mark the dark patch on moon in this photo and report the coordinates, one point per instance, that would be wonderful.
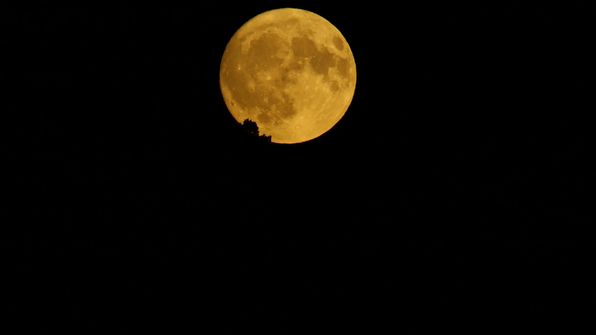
(334, 85)
(264, 118)
(306, 49)
(303, 47)
(343, 67)
(263, 52)
(339, 44)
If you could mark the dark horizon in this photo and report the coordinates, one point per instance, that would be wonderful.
(452, 196)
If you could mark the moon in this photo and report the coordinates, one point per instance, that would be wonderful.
(290, 71)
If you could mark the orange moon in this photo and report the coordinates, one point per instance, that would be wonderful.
(290, 71)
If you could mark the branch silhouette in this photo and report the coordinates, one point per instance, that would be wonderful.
(251, 128)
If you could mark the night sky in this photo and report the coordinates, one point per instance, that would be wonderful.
(453, 197)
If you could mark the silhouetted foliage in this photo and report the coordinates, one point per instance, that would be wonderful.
(252, 129)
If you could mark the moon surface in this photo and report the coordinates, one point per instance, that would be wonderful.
(290, 71)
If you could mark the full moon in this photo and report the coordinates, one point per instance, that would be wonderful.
(291, 72)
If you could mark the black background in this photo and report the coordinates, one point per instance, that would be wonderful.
(452, 197)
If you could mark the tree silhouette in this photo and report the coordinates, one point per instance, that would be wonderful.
(251, 128)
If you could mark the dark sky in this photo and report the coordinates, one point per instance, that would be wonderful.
(452, 197)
